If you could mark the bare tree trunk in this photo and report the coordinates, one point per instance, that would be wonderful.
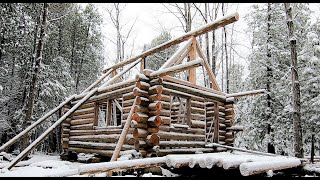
(213, 47)
(298, 145)
(60, 37)
(73, 39)
(226, 52)
(33, 85)
(270, 148)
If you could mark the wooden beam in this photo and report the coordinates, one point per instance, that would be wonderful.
(176, 68)
(123, 133)
(223, 21)
(97, 81)
(51, 128)
(247, 93)
(208, 69)
(118, 105)
(192, 56)
(173, 59)
(18, 136)
(115, 78)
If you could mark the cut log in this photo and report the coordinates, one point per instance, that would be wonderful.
(135, 124)
(153, 139)
(155, 106)
(139, 133)
(138, 92)
(157, 89)
(159, 97)
(251, 168)
(156, 81)
(143, 85)
(153, 129)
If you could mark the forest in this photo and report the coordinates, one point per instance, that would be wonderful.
(50, 51)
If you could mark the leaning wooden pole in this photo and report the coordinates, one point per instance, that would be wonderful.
(51, 128)
(14, 139)
(223, 21)
(97, 81)
(123, 133)
(239, 149)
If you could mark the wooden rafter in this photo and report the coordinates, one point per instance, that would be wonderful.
(208, 69)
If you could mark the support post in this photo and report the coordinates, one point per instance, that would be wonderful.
(192, 55)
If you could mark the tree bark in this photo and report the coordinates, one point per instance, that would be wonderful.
(270, 148)
(298, 145)
(36, 70)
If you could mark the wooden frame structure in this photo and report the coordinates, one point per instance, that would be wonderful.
(150, 108)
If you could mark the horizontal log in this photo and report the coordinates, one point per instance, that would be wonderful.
(194, 144)
(140, 144)
(247, 93)
(141, 77)
(95, 145)
(81, 121)
(187, 83)
(180, 136)
(140, 101)
(82, 126)
(143, 85)
(179, 93)
(65, 125)
(155, 106)
(157, 89)
(159, 97)
(229, 135)
(198, 124)
(162, 112)
(229, 140)
(177, 68)
(128, 96)
(65, 135)
(154, 121)
(163, 152)
(94, 132)
(236, 128)
(87, 105)
(138, 92)
(229, 106)
(258, 167)
(137, 108)
(92, 151)
(153, 129)
(135, 124)
(137, 116)
(156, 81)
(110, 138)
(196, 110)
(139, 133)
(194, 91)
(182, 130)
(65, 131)
(83, 116)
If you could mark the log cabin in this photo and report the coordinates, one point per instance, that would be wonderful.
(155, 112)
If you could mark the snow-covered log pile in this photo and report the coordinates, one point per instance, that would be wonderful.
(247, 163)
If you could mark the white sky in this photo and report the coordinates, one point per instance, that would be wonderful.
(152, 17)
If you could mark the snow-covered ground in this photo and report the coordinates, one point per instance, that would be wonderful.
(40, 165)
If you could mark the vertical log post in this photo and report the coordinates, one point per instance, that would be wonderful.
(216, 123)
(142, 64)
(192, 55)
